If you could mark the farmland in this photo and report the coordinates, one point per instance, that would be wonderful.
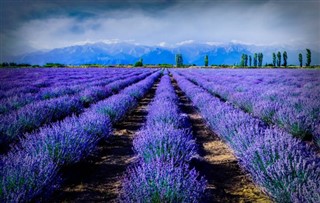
(159, 135)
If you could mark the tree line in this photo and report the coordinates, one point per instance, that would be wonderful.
(257, 60)
(246, 61)
(276, 59)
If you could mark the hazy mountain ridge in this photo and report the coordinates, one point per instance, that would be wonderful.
(126, 53)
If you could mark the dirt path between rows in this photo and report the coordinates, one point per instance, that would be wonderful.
(226, 181)
(98, 179)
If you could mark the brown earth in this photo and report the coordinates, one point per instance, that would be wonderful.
(227, 182)
(98, 179)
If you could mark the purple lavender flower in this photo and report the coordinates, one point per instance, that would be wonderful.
(285, 167)
(164, 142)
(24, 176)
(159, 181)
(69, 141)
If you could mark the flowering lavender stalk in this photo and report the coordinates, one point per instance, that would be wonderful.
(285, 167)
(286, 98)
(32, 166)
(164, 142)
(33, 116)
(165, 146)
(71, 140)
(160, 181)
(118, 105)
(25, 176)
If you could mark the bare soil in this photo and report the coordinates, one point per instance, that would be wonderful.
(227, 182)
(98, 179)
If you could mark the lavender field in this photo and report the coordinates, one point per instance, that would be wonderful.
(159, 135)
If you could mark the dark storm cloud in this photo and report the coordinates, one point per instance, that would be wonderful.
(39, 24)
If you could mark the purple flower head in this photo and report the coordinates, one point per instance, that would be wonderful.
(25, 176)
(162, 182)
(71, 140)
(164, 142)
(284, 166)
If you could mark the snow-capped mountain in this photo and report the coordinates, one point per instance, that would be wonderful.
(126, 53)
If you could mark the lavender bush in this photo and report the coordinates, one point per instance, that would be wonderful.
(25, 176)
(31, 167)
(61, 89)
(164, 146)
(164, 142)
(281, 97)
(285, 167)
(160, 181)
(116, 106)
(71, 140)
(33, 116)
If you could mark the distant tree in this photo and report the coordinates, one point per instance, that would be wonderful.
(300, 59)
(274, 59)
(285, 57)
(206, 60)
(250, 60)
(308, 57)
(165, 65)
(12, 64)
(245, 60)
(49, 65)
(278, 59)
(255, 59)
(260, 59)
(179, 60)
(242, 60)
(23, 65)
(5, 64)
(139, 63)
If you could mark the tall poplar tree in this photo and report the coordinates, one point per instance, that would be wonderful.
(206, 60)
(260, 59)
(255, 59)
(179, 60)
(246, 60)
(278, 59)
(274, 59)
(285, 57)
(308, 57)
(300, 59)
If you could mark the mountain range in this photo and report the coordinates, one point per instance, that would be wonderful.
(127, 53)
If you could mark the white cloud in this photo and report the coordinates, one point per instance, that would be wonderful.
(162, 44)
(190, 41)
(257, 23)
(214, 43)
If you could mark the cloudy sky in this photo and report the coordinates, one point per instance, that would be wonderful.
(39, 24)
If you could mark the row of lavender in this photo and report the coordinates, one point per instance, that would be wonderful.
(32, 169)
(286, 168)
(17, 98)
(164, 147)
(18, 79)
(288, 98)
(33, 116)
